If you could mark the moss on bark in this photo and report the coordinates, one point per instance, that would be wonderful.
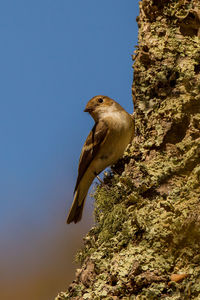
(148, 213)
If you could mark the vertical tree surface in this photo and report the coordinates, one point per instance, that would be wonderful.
(146, 241)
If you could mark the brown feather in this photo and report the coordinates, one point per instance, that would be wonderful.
(76, 210)
(91, 148)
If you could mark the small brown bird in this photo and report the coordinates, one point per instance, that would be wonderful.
(105, 144)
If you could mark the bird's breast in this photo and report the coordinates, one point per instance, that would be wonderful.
(113, 148)
(120, 129)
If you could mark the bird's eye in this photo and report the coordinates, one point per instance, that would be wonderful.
(100, 100)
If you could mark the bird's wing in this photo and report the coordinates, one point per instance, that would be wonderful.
(95, 139)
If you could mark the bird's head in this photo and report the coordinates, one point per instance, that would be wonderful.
(101, 105)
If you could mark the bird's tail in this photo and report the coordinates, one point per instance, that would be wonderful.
(76, 210)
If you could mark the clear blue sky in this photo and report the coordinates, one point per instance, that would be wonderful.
(54, 56)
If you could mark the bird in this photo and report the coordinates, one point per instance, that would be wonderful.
(112, 132)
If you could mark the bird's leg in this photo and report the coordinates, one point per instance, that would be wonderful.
(101, 181)
(97, 176)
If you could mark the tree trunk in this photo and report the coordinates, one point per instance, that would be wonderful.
(146, 242)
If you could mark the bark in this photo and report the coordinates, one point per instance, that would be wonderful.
(146, 241)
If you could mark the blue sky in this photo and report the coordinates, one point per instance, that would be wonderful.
(54, 56)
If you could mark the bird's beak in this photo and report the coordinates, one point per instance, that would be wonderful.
(88, 109)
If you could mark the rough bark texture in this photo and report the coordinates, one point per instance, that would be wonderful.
(146, 243)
